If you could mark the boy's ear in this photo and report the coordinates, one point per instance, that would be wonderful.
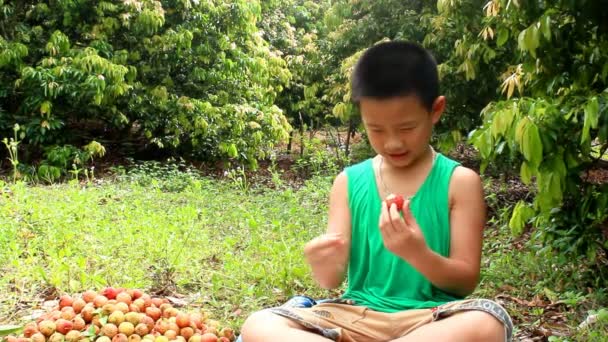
(438, 108)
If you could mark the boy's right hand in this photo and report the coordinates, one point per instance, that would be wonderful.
(328, 249)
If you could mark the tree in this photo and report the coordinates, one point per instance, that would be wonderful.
(551, 117)
(188, 76)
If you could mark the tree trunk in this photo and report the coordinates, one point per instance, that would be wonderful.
(301, 135)
(351, 128)
(290, 142)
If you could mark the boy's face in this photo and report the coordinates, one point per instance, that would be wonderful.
(400, 128)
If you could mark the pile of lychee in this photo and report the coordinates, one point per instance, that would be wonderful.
(121, 315)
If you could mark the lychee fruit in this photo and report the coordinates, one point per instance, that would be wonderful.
(170, 312)
(30, 329)
(89, 296)
(126, 328)
(65, 300)
(78, 305)
(110, 330)
(398, 200)
(208, 337)
(109, 292)
(120, 338)
(87, 313)
(124, 297)
(116, 317)
(227, 332)
(124, 307)
(186, 332)
(133, 317)
(157, 302)
(153, 313)
(134, 338)
(100, 301)
(142, 329)
(182, 320)
(47, 327)
(78, 323)
(68, 313)
(140, 304)
(56, 337)
(63, 326)
(38, 337)
(73, 336)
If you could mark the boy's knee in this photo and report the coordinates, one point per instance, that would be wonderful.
(262, 326)
(486, 327)
(255, 325)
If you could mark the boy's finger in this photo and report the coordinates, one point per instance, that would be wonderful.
(384, 215)
(396, 220)
(407, 213)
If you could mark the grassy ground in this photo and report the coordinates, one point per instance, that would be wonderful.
(232, 247)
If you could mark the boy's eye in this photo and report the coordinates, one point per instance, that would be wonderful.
(405, 129)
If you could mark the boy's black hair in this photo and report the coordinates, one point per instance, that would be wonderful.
(396, 68)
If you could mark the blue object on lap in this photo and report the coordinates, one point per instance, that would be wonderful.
(299, 302)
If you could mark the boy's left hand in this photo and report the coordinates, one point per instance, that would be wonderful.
(401, 235)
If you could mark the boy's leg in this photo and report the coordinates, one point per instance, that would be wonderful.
(465, 320)
(467, 326)
(265, 326)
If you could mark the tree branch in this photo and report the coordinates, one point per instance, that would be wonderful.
(602, 151)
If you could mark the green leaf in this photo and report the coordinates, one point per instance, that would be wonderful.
(530, 144)
(528, 39)
(501, 123)
(45, 108)
(521, 40)
(522, 213)
(592, 110)
(525, 173)
(503, 36)
(545, 27)
(533, 146)
(521, 129)
(9, 329)
(549, 189)
(232, 151)
(532, 39)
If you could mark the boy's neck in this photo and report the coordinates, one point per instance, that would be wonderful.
(391, 178)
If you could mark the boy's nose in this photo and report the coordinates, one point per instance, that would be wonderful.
(393, 145)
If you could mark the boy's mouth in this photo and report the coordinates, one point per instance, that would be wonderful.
(397, 155)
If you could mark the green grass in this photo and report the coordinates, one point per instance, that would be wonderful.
(233, 249)
(231, 246)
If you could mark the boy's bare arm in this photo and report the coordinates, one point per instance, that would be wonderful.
(458, 274)
(328, 254)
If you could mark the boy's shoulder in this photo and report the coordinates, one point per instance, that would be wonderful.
(465, 182)
(359, 168)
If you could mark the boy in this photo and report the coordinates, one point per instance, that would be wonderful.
(408, 272)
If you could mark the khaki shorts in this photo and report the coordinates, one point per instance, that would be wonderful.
(340, 321)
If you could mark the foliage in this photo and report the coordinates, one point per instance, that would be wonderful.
(553, 110)
(357, 25)
(188, 75)
(295, 29)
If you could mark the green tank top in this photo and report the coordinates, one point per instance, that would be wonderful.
(377, 278)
